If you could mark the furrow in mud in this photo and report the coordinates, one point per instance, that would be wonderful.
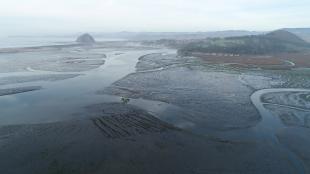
(126, 125)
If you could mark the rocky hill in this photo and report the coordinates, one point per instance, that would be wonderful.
(86, 39)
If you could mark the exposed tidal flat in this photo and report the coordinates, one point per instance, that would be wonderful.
(184, 115)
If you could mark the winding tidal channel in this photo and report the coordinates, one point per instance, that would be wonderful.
(270, 123)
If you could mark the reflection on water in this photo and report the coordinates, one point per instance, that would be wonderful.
(60, 100)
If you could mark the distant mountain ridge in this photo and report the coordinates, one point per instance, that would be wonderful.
(176, 35)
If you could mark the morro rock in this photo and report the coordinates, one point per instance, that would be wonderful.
(86, 39)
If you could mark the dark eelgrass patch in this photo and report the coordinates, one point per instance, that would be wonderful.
(11, 91)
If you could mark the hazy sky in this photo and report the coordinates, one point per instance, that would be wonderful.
(57, 16)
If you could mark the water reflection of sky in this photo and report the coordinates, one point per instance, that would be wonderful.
(61, 99)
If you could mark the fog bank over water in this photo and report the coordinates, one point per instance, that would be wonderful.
(33, 41)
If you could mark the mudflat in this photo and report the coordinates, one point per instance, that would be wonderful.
(182, 115)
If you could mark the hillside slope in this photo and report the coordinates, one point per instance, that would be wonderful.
(303, 33)
(279, 41)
